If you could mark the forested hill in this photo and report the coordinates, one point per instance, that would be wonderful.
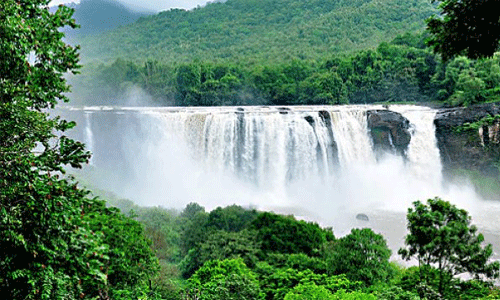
(97, 16)
(260, 30)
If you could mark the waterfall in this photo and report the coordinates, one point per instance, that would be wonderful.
(423, 154)
(351, 134)
(318, 158)
(268, 146)
(272, 147)
(89, 136)
(316, 162)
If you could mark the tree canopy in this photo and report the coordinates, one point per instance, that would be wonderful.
(362, 255)
(52, 242)
(466, 27)
(441, 236)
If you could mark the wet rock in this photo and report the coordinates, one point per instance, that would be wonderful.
(283, 110)
(476, 150)
(389, 131)
(309, 120)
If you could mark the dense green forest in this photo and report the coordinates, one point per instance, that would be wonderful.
(239, 253)
(258, 31)
(242, 52)
(402, 70)
(57, 241)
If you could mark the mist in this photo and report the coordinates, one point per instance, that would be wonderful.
(173, 156)
(146, 5)
(160, 5)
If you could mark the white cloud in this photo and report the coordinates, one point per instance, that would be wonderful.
(159, 5)
(155, 5)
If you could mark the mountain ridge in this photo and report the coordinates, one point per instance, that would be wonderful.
(259, 30)
(99, 16)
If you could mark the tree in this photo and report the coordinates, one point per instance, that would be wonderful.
(309, 292)
(285, 234)
(299, 261)
(467, 27)
(228, 279)
(223, 245)
(130, 262)
(220, 234)
(441, 236)
(362, 255)
(277, 282)
(49, 248)
(231, 218)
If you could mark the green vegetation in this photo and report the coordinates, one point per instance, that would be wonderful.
(486, 121)
(446, 245)
(469, 27)
(55, 241)
(402, 71)
(243, 52)
(362, 255)
(260, 31)
(308, 262)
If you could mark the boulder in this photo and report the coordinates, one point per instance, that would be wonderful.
(389, 131)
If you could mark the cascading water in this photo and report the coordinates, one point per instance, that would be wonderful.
(314, 161)
(89, 137)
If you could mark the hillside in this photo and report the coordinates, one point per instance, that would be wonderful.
(98, 16)
(263, 30)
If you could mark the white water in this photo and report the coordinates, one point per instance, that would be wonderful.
(89, 136)
(274, 159)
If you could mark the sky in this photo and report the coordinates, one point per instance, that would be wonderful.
(155, 5)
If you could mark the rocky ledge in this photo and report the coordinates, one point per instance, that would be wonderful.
(462, 147)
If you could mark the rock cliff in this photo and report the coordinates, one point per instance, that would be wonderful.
(469, 142)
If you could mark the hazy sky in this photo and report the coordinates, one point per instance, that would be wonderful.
(156, 5)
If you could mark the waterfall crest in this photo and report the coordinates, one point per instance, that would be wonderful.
(271, 146)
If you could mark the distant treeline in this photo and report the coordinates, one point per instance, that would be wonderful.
(403, 70)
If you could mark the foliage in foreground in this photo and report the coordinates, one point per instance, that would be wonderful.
(355, 266)
(445, 244)
(56, 241)
(467, 27)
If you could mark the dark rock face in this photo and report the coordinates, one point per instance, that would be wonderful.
(309, 120)
(389, 131)
(332, 151)
(283, 110)
(473, 149)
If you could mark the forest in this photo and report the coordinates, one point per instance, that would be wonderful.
(403, 70)
(258, 31)
(58, 240)
(234, 252)
(242, 52)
